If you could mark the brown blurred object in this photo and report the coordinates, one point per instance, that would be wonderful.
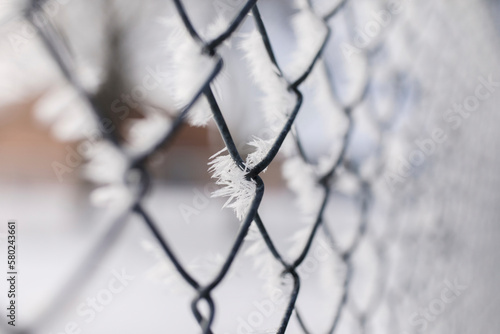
(26, 147)
(28, 150)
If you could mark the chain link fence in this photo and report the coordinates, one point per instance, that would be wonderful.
(357, 72)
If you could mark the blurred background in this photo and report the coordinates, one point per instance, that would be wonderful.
(424, 137)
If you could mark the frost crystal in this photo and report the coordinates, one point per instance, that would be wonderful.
(235, 186)
(107, 166)
(68, 115)
(301, 179)
(269, 268)
(276, 102)
(310, 32)
(262, 147)
(146, 132)
(189, 69)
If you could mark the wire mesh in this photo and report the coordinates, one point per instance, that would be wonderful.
(326, 180)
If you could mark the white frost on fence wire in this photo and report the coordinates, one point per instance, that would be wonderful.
(302, 181)
(235, 186)
(188, 70)
(108, 166)
(71, 120)
(63, 110)
(263, 261)
(261, 148)
(215, 28)
(310, 33)
(145, 133)
(276, 105)
(276, 102)
(334, 123)
(164, 272)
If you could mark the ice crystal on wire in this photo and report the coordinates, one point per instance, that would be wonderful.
(209, 265)
(302, 180)
(146, 132)
(262, 147)
(64, 110)
(108, 166)
(269, 268)
(310, 33)
(110, 195)
(163, 271)
(235, 186)
(189, 69)
(216, 28)
(298, 241)
(276, 102)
